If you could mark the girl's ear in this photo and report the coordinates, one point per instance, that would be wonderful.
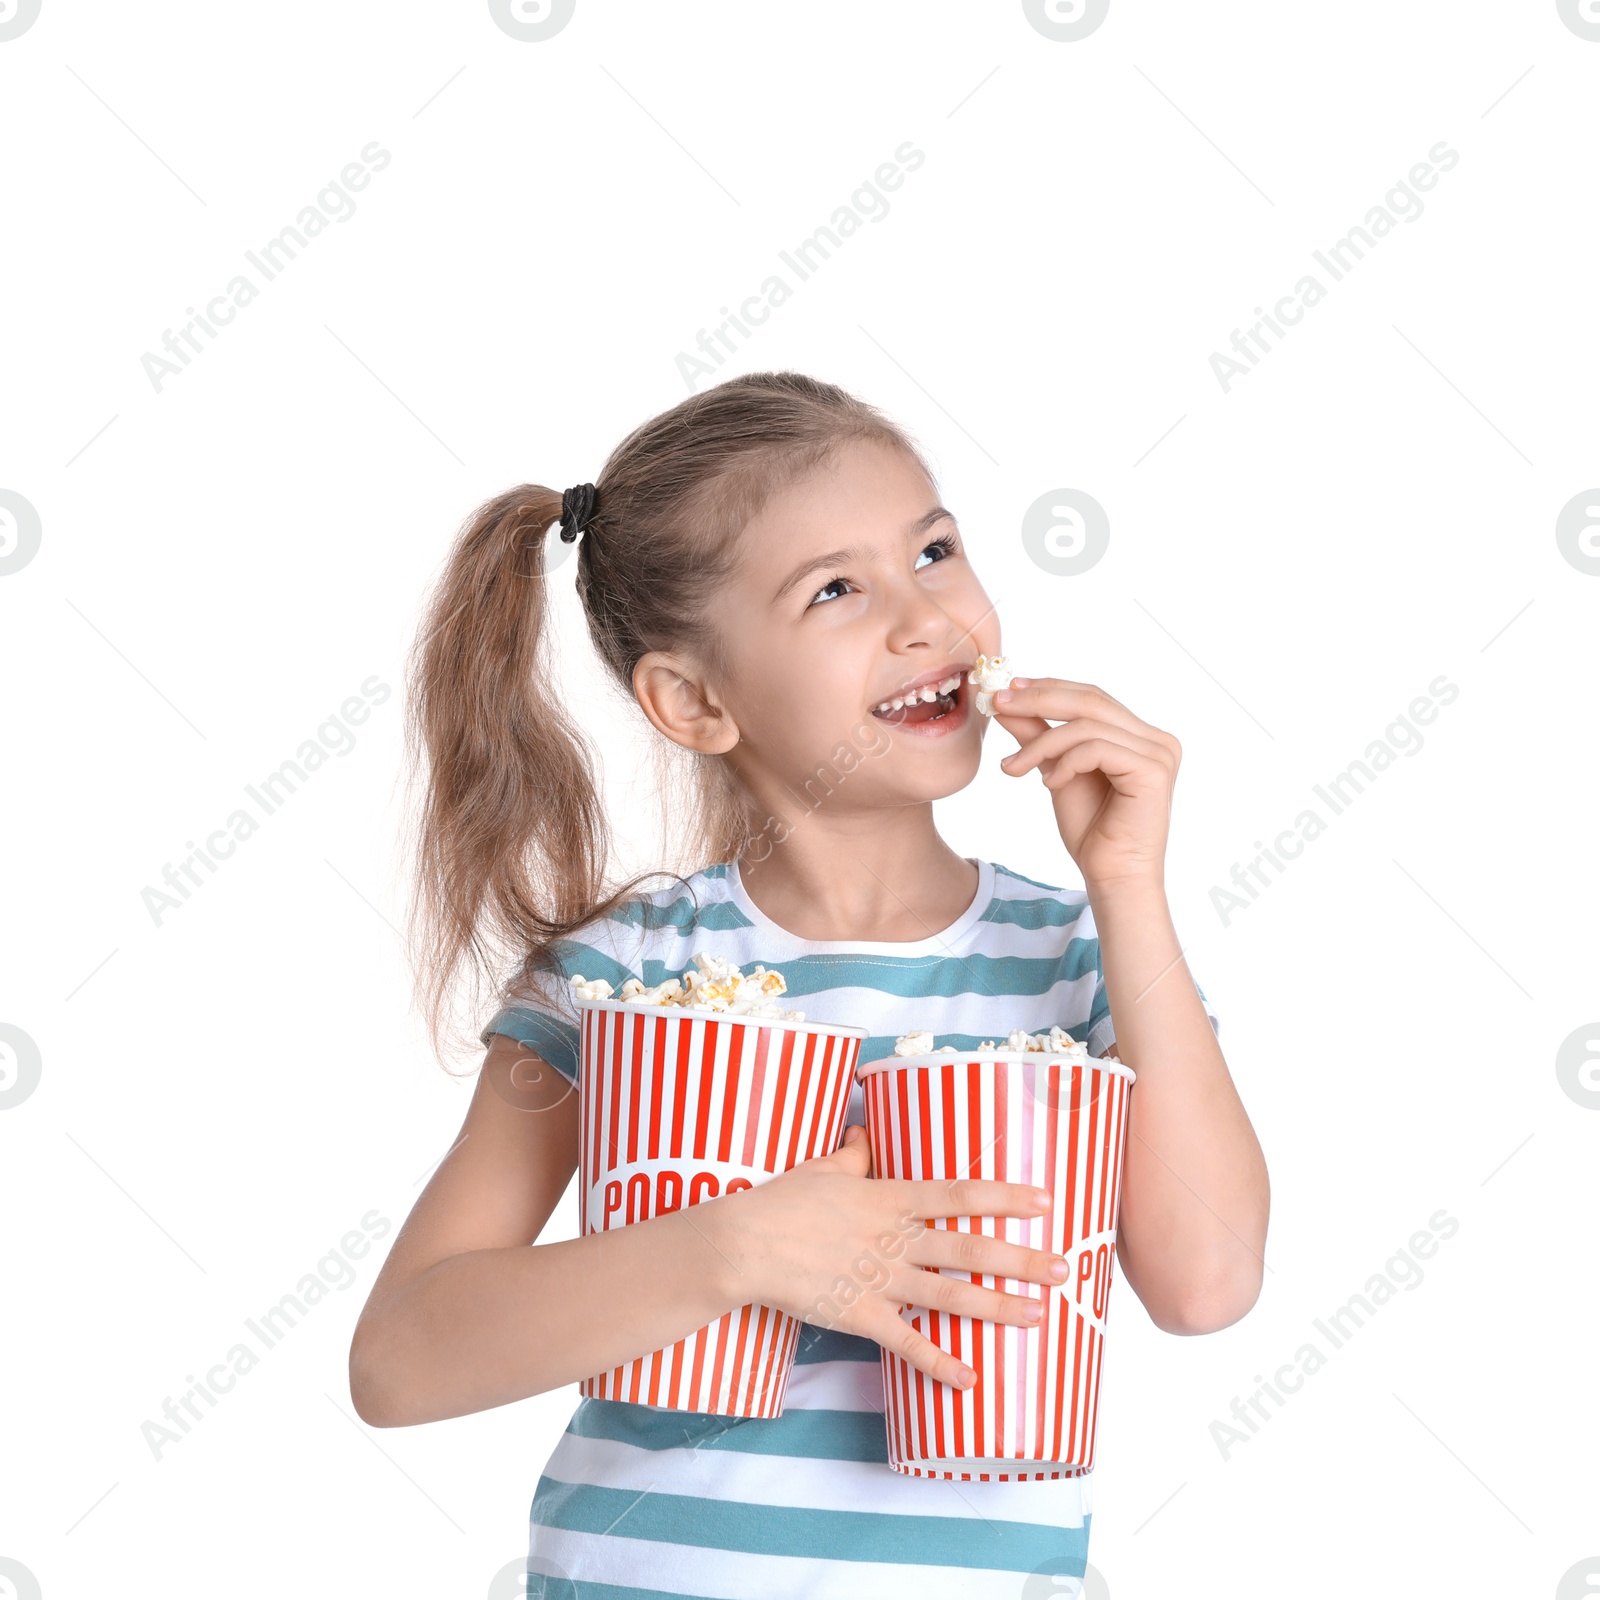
(680, 705)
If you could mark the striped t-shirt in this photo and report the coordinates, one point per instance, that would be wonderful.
(642, 1503)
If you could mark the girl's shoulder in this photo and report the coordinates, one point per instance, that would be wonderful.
(1022, 902)
(654, 921)
(649, 935)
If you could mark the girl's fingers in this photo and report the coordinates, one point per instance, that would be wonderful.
(991, 1257)
(1111, 760)
(1064, 700)
(899, 1336)
(1056, 741)
(969, 1197)
(961, 1298)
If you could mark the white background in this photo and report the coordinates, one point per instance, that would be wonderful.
(222, 563)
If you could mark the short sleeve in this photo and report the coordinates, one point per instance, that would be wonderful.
(541, 1012)
(545, 1028)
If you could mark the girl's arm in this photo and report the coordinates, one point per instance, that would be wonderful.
(1195, 1193)
(465, 1316)
(1195, 1196)
(468, 1312)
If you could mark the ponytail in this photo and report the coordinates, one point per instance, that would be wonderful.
(511, 840)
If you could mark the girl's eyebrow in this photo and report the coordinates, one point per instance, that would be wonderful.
(837, 558)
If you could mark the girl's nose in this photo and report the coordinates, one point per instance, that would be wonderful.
(920, 618)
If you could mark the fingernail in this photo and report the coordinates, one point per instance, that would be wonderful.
(966, 1377)
(1042, 1197)
(1002, 695)
(1059, 1269)
(1033, 1311)
(1019, 683)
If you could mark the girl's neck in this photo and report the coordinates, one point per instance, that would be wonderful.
(830, 886)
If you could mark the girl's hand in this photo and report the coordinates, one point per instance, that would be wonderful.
(836, 1247)
(1110, 775)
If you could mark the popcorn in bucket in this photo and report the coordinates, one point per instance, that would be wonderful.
(1038, 1111)
(691, 1090)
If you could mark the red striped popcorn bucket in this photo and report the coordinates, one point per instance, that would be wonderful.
(679, 1106)
(1034, 1117)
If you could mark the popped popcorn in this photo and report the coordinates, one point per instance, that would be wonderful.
(1056, 1040)
(988, 674)
(711, 984)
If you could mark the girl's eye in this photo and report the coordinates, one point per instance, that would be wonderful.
(944, 544)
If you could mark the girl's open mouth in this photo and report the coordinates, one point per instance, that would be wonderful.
(941, 715)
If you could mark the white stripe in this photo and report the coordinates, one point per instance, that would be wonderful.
(835, 1386)
(812, 1485)
(738, 1575)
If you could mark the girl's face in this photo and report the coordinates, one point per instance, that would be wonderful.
(852, 589)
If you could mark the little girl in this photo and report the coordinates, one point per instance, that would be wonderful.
(766, 571)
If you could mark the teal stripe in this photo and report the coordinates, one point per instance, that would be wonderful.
(816, 1435)
(828, 1344)
(553, 1587)
(974, 1543)
(1034, 913)
(918, 977)
(684, 916)
(576, 956)
(1006, 872)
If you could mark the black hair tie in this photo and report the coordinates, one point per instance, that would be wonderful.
(577, 510)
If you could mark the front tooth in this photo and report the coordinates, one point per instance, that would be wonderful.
(930, 693)
(895, 705)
